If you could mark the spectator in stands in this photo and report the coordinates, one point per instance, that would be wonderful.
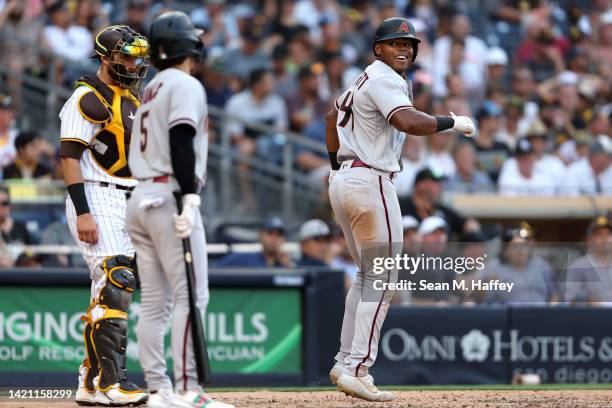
(547, 163)
(542, 52)
(475, 52)
(413, 160)
(592, 175)
(314, 244)
(13, 232)
(437, 156)
(218, 91)
(8, 131)
(515, 124)
(306, 105)
(310, 13)
(57, 233)
(66, 39)
(424, 203)
(248, 58)
(524, 87)
(137, 14)
(284, 79)
(410, 227)
(531, 275)
(27, 165)
(220, 25)
(256, 105)
(497, 64)
(467, 179)
(490, 154)
(473, 245)
(90, 14)
(17, 28)
(521, 179)
(589, 278)
(271, 237)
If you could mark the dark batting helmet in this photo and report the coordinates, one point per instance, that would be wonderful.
(124, 46)
(397, 27)
(173, 38)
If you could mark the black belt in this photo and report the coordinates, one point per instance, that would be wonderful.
(117, 186)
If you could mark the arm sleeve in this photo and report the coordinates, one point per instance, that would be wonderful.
(389, 95)
(182, 156)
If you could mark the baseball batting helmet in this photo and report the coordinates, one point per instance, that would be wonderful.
(124, 46)
(173, 37)
(397, 27)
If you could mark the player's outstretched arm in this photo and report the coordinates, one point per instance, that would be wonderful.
(71, 168)
(419, 123)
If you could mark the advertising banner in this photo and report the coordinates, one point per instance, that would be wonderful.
(250, 331)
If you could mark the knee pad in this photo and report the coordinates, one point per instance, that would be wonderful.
(109, 329)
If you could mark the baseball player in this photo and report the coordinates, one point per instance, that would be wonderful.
(96, 125)
(365, 134)
(169, 161)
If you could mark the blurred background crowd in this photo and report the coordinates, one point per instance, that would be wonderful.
(536, 75)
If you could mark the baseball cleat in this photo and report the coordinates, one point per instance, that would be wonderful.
(335, 373)
(120, 395)
(87, 398)
(364, 388)
(166, 398)
(201, 400)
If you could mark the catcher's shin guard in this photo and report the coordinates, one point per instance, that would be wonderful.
(90, 364)
(109, 334)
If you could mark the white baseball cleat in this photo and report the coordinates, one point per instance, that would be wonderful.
(335, 373)
(201, 400)
(166, 398)
(85, 397)
(364, 388)
(119, 396)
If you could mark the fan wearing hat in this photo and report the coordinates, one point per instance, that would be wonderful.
(314, 243)
(593, 174)
(425, 202)
(490, 153)
(272, 236)
(522, 179)
(589, 278)
(27, 164)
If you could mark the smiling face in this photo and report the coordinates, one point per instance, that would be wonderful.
(396, 53)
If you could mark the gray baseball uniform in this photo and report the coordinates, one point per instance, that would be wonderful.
(364, 199)
(171, 98)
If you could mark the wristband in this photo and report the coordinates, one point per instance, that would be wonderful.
(333, 160)
(444, 122)
(77, 195)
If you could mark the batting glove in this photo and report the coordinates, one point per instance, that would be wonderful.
(463, 124)
(184, 223)
(332, 173)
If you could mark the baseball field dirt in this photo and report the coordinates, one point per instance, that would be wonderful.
(588, 398)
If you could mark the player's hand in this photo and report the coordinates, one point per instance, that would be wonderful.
(332, 173)
(463, 124)
(87, 228)
(184, 223)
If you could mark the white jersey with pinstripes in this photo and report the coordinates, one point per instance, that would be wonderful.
(75, 127)
(364, 111)
(173, 97)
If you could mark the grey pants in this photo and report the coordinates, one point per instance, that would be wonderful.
(163, 281)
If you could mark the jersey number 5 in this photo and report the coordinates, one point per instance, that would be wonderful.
(143, 131)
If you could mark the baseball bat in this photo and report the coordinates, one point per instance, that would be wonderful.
(198, 336)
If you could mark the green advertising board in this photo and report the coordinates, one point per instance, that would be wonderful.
(250, 331)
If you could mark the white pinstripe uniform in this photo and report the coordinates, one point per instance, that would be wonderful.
(106, 204)
(364, 199)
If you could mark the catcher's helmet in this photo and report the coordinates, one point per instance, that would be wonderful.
(124, 46)
(173, 37)
(397, 27)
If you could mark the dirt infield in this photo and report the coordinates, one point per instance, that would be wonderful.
(412, 399)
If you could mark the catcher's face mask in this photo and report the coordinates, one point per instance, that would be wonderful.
(129, 62)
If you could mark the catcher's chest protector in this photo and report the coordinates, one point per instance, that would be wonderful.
(110, 146)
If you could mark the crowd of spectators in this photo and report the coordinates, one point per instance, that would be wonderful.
(535, 75)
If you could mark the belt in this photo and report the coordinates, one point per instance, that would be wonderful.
(117, 186)
(161, 179)
(359, 163)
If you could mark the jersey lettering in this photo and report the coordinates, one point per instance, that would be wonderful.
(361, 80)
(143, 130)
